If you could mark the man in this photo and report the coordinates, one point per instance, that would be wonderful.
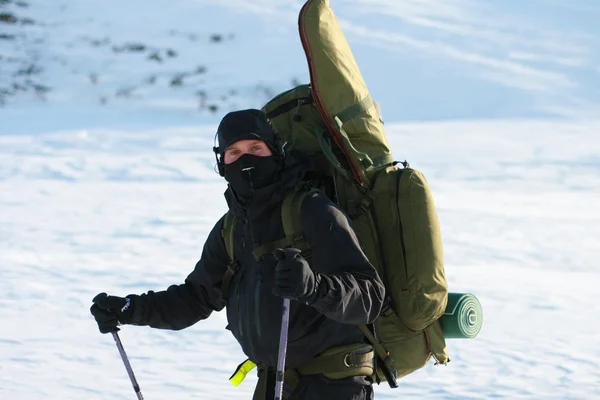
(337, 291)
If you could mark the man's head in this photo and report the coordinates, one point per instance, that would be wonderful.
(249, 155)
(246, 124)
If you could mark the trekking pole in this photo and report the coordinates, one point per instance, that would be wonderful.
(136, 387)
(283, 341)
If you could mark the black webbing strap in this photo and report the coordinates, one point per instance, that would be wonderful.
(228, 235)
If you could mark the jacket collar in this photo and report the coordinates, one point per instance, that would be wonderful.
(295, 167)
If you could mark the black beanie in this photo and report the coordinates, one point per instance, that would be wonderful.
(246, 124)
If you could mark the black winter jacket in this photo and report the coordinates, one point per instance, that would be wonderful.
(354, 292)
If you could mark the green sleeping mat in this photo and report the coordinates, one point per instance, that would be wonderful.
(463, 316)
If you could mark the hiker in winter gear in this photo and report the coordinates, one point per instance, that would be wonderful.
(333, 293)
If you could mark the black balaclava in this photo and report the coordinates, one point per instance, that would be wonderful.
(249, 172)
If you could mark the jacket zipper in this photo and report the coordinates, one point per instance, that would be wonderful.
(257, 306)
(240, 306)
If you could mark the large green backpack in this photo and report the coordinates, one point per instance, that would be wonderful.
(335, 122)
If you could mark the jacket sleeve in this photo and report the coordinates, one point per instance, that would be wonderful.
(350, 291)
(181, 306)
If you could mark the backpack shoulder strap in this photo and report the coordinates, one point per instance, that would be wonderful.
(228, 235)
(292, 225)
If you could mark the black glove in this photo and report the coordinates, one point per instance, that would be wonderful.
(294, 278)
(111, 311)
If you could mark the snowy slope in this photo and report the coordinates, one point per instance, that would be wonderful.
(125, 212)
(423, 59)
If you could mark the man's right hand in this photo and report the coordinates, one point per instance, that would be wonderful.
(111, 311)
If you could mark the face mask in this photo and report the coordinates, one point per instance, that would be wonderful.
(249, 173)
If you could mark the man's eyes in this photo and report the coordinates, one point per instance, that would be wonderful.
(253, 149)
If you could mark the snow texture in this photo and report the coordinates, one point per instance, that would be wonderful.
(121, 199)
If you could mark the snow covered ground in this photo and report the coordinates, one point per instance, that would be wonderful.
(124, 212)
(121, 198)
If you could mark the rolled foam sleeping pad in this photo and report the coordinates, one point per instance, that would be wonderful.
(463, 316)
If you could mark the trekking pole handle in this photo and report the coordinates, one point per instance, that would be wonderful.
(125, 359)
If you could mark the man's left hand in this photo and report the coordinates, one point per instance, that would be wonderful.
(294, 278)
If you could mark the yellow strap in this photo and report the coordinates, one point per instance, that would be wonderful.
(240, 373)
